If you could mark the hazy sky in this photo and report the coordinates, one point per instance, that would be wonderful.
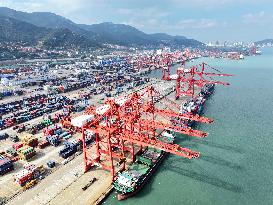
(204, 20)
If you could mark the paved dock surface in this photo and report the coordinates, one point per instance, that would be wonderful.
(64, 185)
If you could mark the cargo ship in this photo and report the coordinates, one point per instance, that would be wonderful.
(129, 182)
(194, 106)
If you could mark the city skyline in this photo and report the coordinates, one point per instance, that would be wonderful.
(206, 21)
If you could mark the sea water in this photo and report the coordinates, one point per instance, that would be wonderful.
(236, 162)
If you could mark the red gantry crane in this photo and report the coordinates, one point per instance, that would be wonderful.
(123, 126)
(187, 78)
(196, 76)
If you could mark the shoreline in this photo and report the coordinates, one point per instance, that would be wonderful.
(105, 190)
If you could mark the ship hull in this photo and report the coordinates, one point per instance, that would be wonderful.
(122, 196)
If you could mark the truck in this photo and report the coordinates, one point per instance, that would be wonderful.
(51, 164)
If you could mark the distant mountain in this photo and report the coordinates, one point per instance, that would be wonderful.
(12, 30)
(125, 34)
(119, 33)
(169, 40)
(66, 38)
(166, 37)
(263, 42)
(100, 33)
(47, 20)
(41, 19)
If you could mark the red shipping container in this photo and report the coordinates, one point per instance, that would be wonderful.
(23, 177)
(43, 144)
(17, 145)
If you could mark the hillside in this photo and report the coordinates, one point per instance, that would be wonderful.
(264, 42)
(12, 30)
(119, 33)
(40, 19)
(125, 34)
(80, 34)
(47, 20)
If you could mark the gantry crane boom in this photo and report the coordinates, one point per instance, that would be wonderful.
(188, 78)
(143, 140)
(188, 116)
(160, 125)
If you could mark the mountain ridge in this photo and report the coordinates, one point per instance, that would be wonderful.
(102, 33)
(13, 30)
(265, 41)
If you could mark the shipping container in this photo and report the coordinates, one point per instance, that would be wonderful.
(6, 165)
(24, 176)
(26, 153)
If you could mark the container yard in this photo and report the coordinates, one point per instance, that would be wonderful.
(103, 119)
(136, 102)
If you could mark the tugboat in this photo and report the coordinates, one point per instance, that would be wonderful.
(129, 182)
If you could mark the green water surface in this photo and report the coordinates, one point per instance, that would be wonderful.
(236, 164)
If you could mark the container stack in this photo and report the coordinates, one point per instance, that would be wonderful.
(43, 144)
(30, 141)
(17, 145)
(53, 140)
(52, 130)
(24, 176)
(65, 135)
(26, 153)
(77, 143)
(69, 149)
(33, 168)
(3, 136)
(30, 108)
(6, 165)
(12, 152)
(47, 122)
(148, 157)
